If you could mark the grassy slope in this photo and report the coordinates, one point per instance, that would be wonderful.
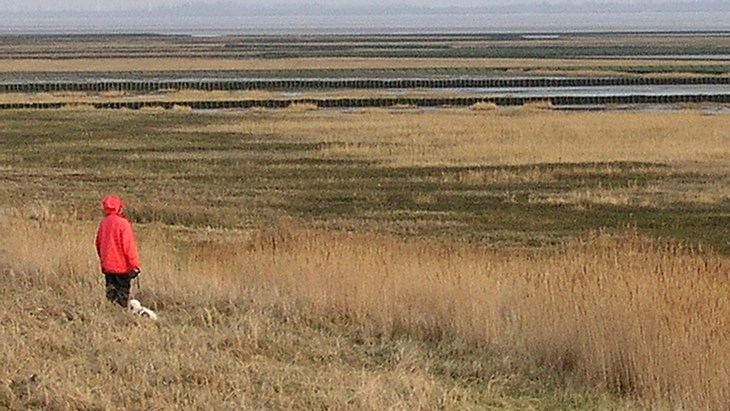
(299, 319)
(222, 343)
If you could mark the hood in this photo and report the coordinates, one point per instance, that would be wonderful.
(113, 205)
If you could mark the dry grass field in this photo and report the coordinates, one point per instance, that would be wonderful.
(589, 65)
(372, 259)
(292, 318)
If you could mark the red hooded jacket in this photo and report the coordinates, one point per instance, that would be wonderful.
(115, 241)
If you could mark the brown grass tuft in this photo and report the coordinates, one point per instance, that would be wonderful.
(485, 106)
(181, 107)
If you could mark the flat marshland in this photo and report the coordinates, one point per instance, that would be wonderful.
(345, 56)
(370, 259)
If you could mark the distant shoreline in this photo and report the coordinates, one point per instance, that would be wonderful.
(14, 24)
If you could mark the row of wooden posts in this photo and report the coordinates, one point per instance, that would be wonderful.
(404, 102)
(147, 86)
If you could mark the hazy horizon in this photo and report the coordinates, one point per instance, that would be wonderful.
(216, 17)
(132, 5)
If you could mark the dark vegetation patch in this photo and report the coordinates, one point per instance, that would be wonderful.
(70, 159)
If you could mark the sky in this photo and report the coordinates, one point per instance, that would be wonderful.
(106, 5)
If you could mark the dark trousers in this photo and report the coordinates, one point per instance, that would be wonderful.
(117, 288)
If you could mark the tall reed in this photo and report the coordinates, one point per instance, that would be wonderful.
(635, 316)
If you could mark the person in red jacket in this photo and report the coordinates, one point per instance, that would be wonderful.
(117, 250)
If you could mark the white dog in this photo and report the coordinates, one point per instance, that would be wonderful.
(137, 309)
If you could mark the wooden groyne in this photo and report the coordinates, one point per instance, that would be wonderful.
(147, 86)
(441, 102)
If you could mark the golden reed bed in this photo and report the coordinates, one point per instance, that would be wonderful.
(627, 314)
